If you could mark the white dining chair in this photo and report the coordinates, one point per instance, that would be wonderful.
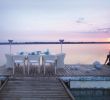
(33, 60)
(60, 60)
(9, 61)
(49, 59)
(19, 60)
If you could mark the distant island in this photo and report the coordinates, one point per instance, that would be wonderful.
(7, 43)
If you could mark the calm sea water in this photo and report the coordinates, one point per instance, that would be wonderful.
(91, 94)
(75, 53)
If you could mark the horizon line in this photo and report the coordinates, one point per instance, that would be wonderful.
(44, 42)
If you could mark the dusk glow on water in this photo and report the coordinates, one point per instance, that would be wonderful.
(75, 53)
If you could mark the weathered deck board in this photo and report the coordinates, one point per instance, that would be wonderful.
(41, 88)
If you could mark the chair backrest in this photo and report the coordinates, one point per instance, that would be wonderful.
(9, 61)
(60, 60)
(48, 57)
(33, 57)
(18, 57)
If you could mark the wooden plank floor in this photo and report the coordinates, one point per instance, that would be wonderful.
(37, 88)
(69, 70)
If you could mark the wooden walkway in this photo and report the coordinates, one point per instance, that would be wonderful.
(67, 71)
(37, 88)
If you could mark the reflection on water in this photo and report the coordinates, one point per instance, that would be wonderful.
(75, 53)
(91, 94)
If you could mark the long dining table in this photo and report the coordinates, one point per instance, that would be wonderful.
(9, 59)
(58, 62)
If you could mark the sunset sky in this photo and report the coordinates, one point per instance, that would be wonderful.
(51, 20)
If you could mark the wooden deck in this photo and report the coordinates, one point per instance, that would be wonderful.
(39, 88)
(67, 71)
